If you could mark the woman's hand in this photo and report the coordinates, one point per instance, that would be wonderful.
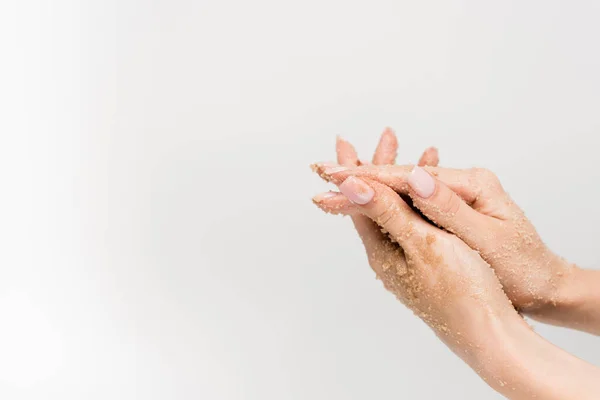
(412, 246)
(473, 205)
(443, 281)
(434, 273)
(450, 287)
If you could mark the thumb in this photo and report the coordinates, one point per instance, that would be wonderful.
(444, 207)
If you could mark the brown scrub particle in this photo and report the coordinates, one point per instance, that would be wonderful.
(430, 239)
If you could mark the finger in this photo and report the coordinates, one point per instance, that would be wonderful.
(334, 202)
(396, 176)
(430, 157)
(387, 209)
(445, 208)
(386, 150)
(337, 204)
(388, 174)
(346, 154)
(385, 257)
(460, 181)
(381, 252)
(479, 188)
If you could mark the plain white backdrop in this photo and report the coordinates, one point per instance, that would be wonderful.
(157, 235)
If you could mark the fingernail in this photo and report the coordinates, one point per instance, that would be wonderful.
(333, 170)
(326, 195)
(421, 182)
(357, 191)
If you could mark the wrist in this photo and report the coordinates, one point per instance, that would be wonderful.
(518, 363)
(559, 280)
(497, 356)
(576, 301)
(489, 340)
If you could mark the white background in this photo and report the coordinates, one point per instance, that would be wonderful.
(157, 235)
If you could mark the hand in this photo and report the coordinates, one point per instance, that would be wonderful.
(453, 290)
(385, 154)
(473, 205)
(431, 271)
(434, 273)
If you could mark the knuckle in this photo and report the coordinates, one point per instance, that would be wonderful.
(484, 175)
(386, 216)
(486, 180)
(479, 173)
(448, 202)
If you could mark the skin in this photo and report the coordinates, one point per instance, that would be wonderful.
(450, 286)
(473, 205)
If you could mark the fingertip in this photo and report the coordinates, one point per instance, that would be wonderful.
(346, 153)
(340, 142)
(320, 165)
(326, 169)
(324, 196)
(390, 136)
(333, 203)
(429, 158)
(336, 175)
(387, 148)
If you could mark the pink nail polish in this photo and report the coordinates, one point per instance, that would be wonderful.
(357, 191)
(421, 182)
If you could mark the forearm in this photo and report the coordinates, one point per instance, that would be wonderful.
(576, 303)
(520, 364)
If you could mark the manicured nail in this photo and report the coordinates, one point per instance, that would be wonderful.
(333, 170)
(421, 182)
(326, 195)
(357, 191)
